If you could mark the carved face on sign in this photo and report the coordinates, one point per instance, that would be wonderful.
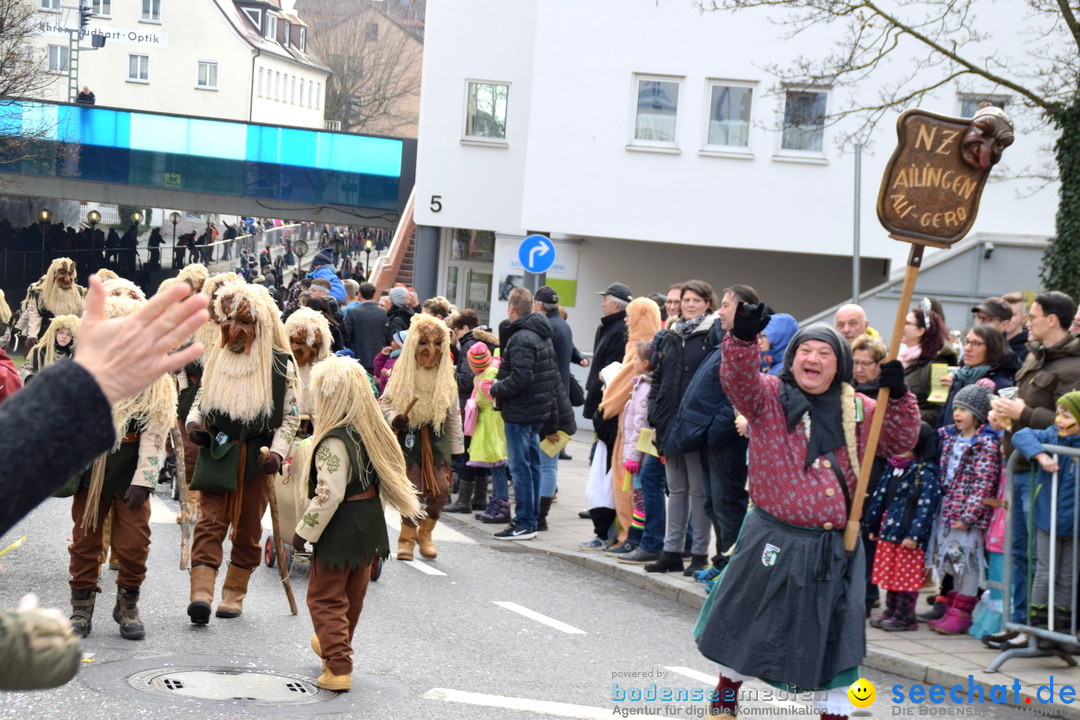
(990, 133)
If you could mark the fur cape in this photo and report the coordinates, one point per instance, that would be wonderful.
(57, 300)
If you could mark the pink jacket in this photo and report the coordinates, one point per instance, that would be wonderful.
(383, 363)
(635, 416)
(778, 482)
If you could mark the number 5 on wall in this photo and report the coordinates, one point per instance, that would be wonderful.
(436, 203)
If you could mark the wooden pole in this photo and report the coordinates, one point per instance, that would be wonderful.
(279, 542)
(851, 532)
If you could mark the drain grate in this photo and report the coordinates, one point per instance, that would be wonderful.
(230, 684)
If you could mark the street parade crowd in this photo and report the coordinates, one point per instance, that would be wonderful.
(728, 441)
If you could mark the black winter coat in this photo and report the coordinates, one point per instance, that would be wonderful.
(562, 338)
(465, 375)
(528, 383)
(609, 347)
(397, 319)
(677, 360)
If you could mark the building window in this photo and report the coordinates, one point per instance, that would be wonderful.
(729, 115)
(969, 103)
(485, 110)
(49, 4)
(58, 58)
(311, 95)
(292, 89)
(318, 95)
(371, 32)
(301, 91)
(288, 32)
(303, 39)
(138, 68)
(102, 7)
(206, 77)
(261, 85)
(804, 120)
(656, 110)
(151, 10)
(271, 27)
(277, 85)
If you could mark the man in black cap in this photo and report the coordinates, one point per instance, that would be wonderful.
(993, 311)
(608, 347)
(546, 301)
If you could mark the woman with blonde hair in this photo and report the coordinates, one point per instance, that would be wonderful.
(357, 466)
(57, 343)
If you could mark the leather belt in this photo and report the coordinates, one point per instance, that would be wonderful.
(131, 437)
(369, 493)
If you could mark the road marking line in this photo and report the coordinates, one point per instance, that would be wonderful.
(712, 680)
(532, 614)
(423, 567)
(160, 512)
(547, 707)
(443, 532)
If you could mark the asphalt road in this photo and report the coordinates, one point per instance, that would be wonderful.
(490, 630)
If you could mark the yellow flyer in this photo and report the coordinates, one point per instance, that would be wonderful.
(938, 393)
(552, 448)
(645, 442)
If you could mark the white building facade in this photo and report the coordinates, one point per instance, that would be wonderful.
(236, 60)
(646, 139)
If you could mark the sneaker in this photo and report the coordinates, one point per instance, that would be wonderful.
(595, 544)
(584, 514)
(710, 572)
(515, 532)
(621, 549)
(640, 556)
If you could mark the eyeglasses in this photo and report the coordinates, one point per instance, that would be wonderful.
(974, 343)
(865, 363)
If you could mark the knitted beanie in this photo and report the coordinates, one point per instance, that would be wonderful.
(974, 398)
(1071, 402)
(399, 296)
(480, 358)
(400, 336)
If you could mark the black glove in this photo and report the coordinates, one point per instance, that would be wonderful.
(750, 320)
(136, 495)
(271, 464)
(892, 377)
(197, 435)
(298, 543)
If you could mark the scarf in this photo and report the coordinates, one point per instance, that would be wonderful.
(826, 414)
(909, 355)
(685, 327)
(901, 463)
(967, 374)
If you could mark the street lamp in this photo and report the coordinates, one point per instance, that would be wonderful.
(93, 217)
(174, 217)
(368, 244)
(43, 222)
(136, 217)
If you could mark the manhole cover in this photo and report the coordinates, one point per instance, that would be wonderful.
(232, 685)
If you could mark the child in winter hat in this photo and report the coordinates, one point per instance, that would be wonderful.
(974, 398)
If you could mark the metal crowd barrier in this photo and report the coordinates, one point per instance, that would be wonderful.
(1060, 637)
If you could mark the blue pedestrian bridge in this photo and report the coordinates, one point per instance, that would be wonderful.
(102, 154)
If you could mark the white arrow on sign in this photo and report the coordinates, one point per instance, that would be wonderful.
(541, 250)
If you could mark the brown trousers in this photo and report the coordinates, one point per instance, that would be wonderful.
(213, 525)
(335, 599)
(432, 503)
(130, 540)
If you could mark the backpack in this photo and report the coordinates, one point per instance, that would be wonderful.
(705, 415)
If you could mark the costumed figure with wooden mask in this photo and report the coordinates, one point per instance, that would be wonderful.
(309, 338)
(120, 482)
(357, 466)
(248, 399)
(421, 403)
(195, 275)
(122, 287)
(57, 295)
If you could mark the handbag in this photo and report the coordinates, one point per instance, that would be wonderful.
(218, 466)
(577, 394)
(472, 413)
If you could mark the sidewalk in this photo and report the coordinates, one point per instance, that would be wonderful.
(922, 656)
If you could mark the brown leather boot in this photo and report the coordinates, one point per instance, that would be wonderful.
(405, 542)
(233, 591)
(126, 613)
(202, 593)
(423, 537)
(82, 611)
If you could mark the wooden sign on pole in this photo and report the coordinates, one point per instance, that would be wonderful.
(929, 196)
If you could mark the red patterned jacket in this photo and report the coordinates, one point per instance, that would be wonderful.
(778, 482)
(975, 478)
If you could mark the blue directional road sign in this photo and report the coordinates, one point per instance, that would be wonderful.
(536, 253)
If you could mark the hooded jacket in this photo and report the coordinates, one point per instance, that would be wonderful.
(528, 382)
(465, 375)
(337, 288)
(608, 347)
(677, 360)
(1030, 442)
(397, 318)
(780, 330)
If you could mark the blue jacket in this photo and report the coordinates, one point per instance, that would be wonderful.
(337, 288)
(1030, 442)
(908, 499)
